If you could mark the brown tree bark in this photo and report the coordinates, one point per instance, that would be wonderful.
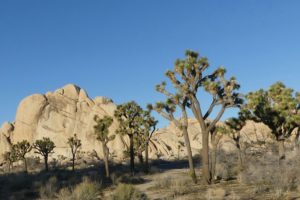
(25, 165)
(140, 156)
(213, 157)
(46, 162)
(205, 158)
(105, 158)
(147, 157)
(189, 152)
(281, 150)
(131, 155)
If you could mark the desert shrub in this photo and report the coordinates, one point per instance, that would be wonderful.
(267, 175)
(86, 190)
(126, 178)
(33, 162)
(64, 194)
(49, 189)
(215, 194)
(162, 183)
(226, 166)
(128, 192)
(177, 187)
(180, 187)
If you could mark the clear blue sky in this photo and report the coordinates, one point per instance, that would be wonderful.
(121, 49)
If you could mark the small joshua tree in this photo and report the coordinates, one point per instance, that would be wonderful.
(235, 126)
(21, 149)
(74, 143)
(102, 132)
(44, 147)
(129, 116)
(149, 128)
(10, 157)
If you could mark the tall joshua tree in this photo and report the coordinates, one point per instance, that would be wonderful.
(167, 110)
(21, 149)
(129, 116)
(187, 78)
(74, 144)
(44, 147)
(102, 132)
(278, 108)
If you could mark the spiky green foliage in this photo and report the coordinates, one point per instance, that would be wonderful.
(44, 147)
(130, 118)
(10, 157)
(278, 108)
(21, 149)
(102, 132)
(74, 144)
(102, 128)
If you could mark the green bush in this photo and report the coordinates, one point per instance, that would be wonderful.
(127, 192)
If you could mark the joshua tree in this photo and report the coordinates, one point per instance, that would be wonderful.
(149, 128)
(102, 132)
(235, 126)
(130, 120)
(278, 108)
(10, 157)
(187, 78)
(167, 110)
(74, 143)
(21, 149)
(44, 147)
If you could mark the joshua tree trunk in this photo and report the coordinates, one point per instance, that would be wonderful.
(213, 157)
(205, 157)
(281, 150)
(46, 163)
(189, 152)
(9, 166)
(297, 139)
(240, 154)
(105, 156)
(147, 157)
(25, 165)
(131, 155)
(140, 156)
(73, 162)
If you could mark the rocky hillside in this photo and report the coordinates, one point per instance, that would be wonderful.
(66, 111)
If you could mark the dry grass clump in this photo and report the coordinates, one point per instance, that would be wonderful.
(176, 187)
(48, 190)
(267, 175)
(127, 192)
(215, 194)
(86, 190)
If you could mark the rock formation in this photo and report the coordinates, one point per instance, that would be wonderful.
(68, 111)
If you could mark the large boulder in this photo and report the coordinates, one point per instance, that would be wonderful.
(69, 110)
